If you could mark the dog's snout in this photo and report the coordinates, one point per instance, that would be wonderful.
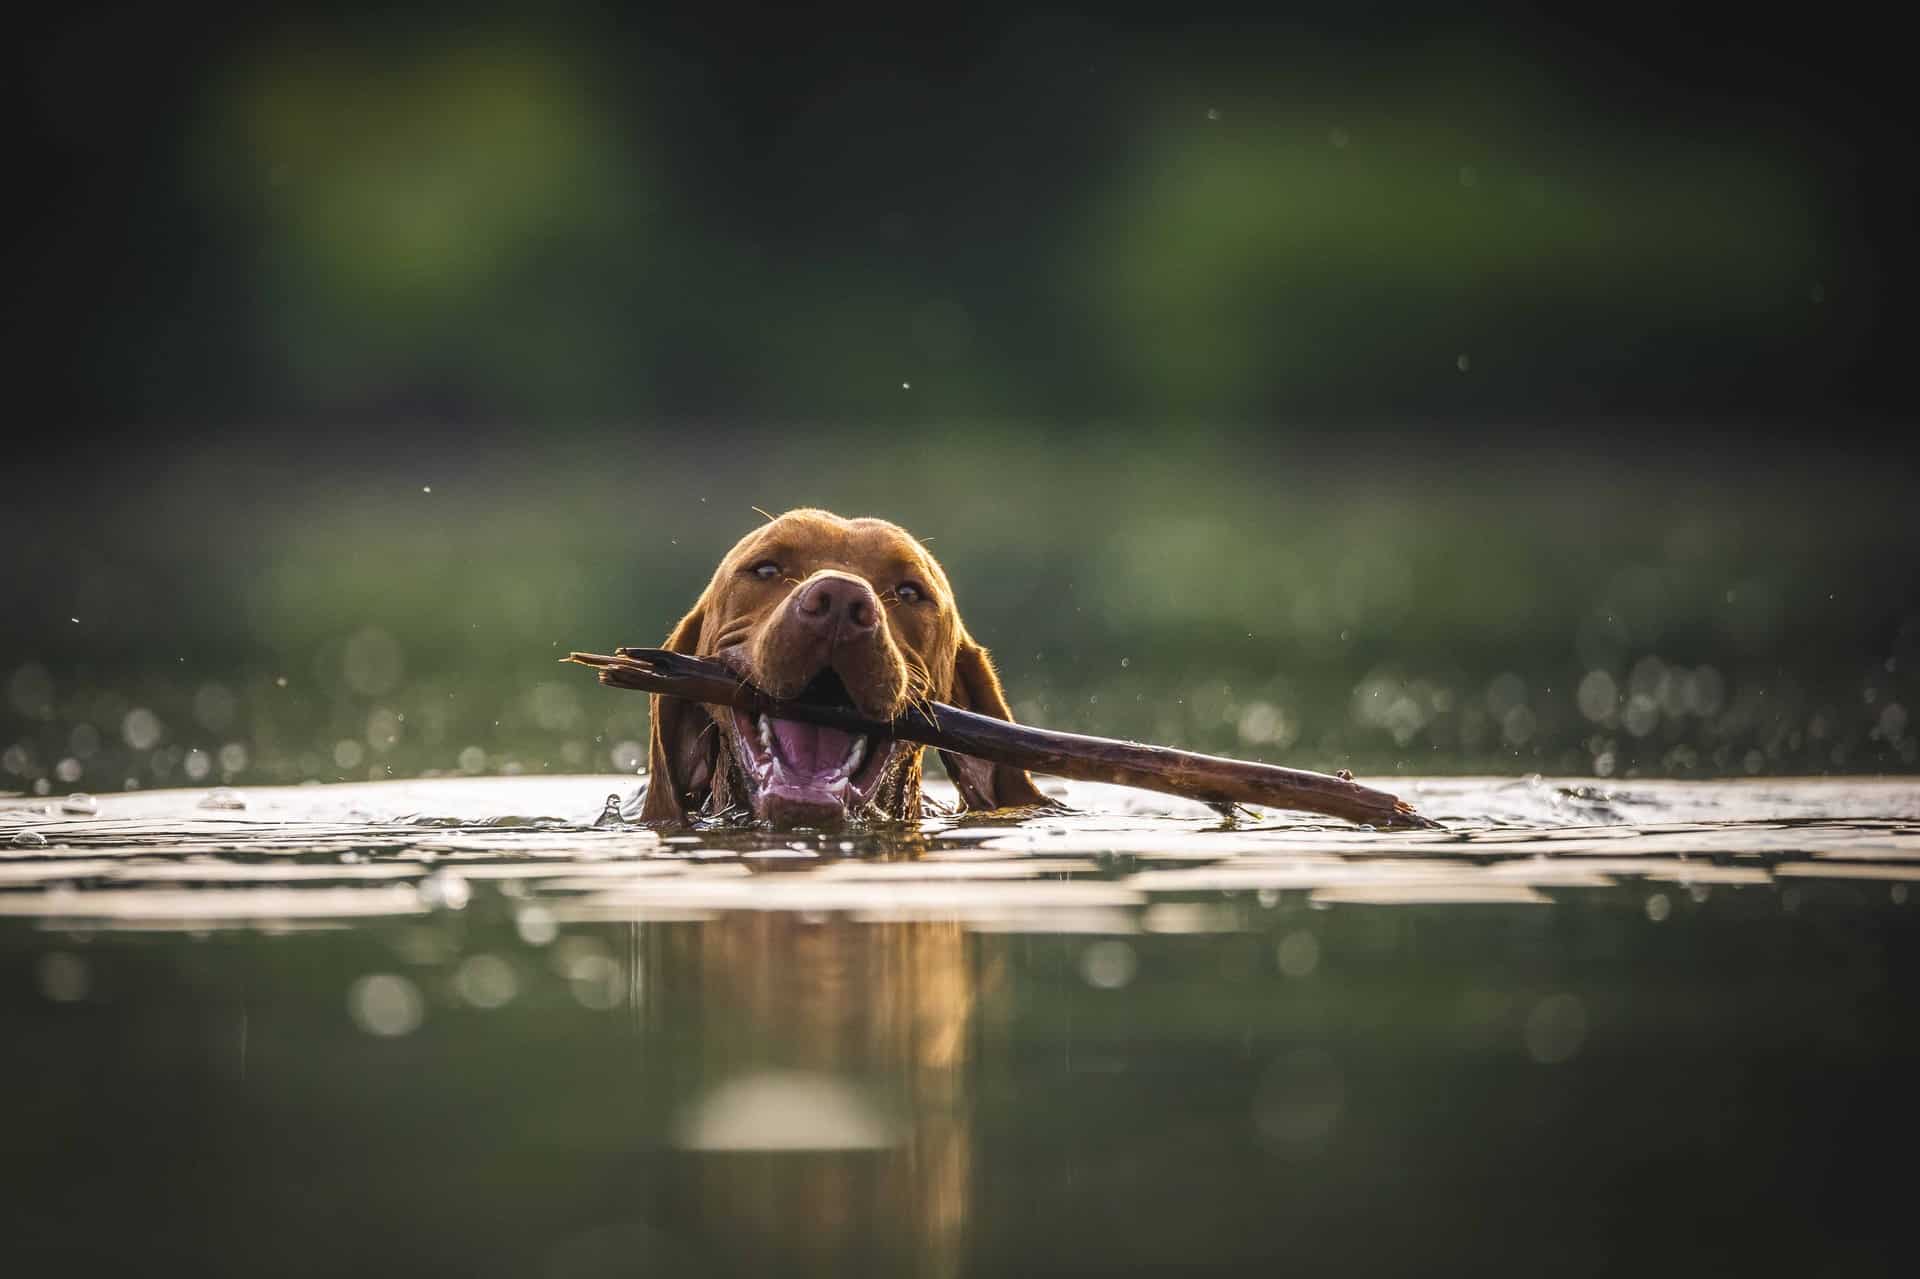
(835, 603)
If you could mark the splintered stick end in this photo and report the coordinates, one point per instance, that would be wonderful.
(590, 659)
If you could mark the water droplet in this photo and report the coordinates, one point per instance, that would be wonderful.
(535, 925)
(386, 1005)
(1556, 1029)
(445, 890)
(214, 707)
(486, 981)
(1108, 965)
(596, 982)
(224, 798)
(1598, 696)
(1298, 954)
(80, 804)
(64, 977)
(1658, 907)
(29, 839)
(141, 729)
(372, 662)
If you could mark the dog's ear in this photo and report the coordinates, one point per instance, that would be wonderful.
(982, 785)
(680, 741)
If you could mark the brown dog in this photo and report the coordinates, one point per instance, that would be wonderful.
(850, 611)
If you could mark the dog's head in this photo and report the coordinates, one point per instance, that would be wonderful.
(848, 611)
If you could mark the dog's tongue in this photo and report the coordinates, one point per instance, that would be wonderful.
(811, 748)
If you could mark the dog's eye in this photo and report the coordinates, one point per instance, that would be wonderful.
(908, 593)
(766, 570)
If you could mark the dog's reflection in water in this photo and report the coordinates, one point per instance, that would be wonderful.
(829, 1128)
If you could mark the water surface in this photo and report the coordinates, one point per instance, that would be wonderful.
(482, 1026)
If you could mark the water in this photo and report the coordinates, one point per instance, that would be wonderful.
(473, 1026)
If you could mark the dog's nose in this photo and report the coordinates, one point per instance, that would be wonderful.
(835, 602)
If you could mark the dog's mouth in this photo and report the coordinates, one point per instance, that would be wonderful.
(801, 774)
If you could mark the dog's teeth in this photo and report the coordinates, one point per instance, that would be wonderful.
(766, 734)
(854, 756)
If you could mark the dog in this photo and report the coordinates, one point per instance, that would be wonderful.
(854, 612)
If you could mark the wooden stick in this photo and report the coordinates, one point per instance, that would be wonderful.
(1209, 778)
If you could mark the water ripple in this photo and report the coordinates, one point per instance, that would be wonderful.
(280, 857)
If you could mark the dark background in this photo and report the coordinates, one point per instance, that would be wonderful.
(473, 214)
(1320, 361)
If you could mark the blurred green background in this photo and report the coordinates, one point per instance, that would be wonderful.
(1365, 387)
